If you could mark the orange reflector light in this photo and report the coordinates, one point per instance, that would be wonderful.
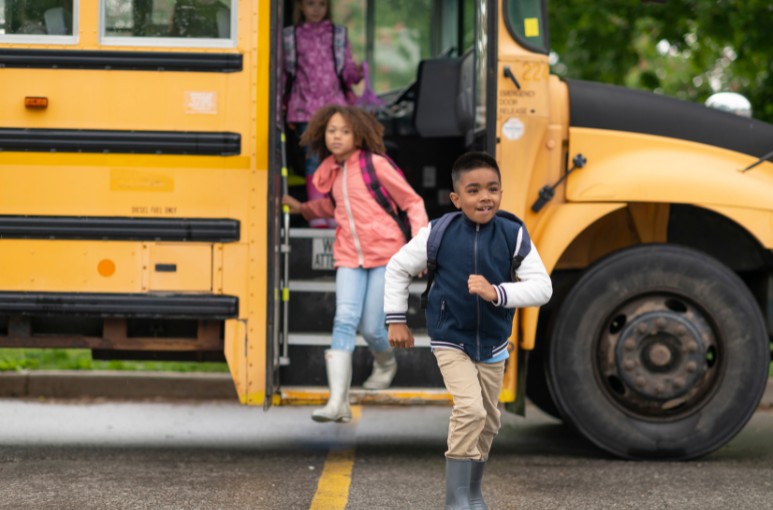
(106, 267)
(35, 102)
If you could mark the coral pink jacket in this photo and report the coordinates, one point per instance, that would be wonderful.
(366, 235)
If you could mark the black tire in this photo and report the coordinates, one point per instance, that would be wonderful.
(658, 351)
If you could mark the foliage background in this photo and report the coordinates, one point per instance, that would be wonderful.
(682, 48)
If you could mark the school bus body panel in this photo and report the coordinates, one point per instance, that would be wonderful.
(522, 120)
(560, 226)
(124, 185)
(36, 265)
(528, 138)
(148, 186)
(249, 365)
(103, 99)
(634, 167)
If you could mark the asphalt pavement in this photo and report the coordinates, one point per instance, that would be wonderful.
(69, 384)
(172, 455)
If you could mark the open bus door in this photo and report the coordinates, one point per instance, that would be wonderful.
(278, 227)
(437, 112)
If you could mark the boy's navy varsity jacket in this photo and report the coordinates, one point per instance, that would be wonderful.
(455, 318)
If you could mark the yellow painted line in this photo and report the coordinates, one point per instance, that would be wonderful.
(333, 486)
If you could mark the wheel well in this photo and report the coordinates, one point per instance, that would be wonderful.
(717, 236)
(686, 225)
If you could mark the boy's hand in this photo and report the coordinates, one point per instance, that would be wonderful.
(292, 203)
(400, 336)
(479, 286)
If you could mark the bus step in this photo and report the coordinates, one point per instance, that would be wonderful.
(415, 367)
(419, 336)
(318, 395)
(312, 306)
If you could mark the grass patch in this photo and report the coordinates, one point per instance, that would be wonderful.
(80, 359)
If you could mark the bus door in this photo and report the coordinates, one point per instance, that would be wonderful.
(524, 122)
(522, 101)
(428, 62)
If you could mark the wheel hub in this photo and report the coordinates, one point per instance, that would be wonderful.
(660, 355)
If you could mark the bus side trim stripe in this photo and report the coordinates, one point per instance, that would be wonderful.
(121, 60)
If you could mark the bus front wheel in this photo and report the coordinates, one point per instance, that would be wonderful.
(658, 351)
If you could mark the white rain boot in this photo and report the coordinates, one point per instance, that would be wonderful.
(339, 377)
(384, 370)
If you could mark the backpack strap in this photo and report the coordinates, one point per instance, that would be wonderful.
(380, 194)
(290, 51)
(433, 245)
(339, 48)
(522, 243)
(290, 58)
(339, 56)
(522, 247)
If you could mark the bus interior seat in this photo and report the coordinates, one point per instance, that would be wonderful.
(444, 97)
(58, 21)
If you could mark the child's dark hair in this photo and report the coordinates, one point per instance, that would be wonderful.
(367, 130)
(472, 161)
(298, 18)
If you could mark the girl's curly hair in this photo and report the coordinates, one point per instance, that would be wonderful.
(367, 130)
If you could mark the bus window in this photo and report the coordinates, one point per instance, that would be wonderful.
(402, 39)
(169, 22)
(42, 20)
(526, 22)
(392, 35)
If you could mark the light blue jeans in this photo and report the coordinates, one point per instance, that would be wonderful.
(360, 306)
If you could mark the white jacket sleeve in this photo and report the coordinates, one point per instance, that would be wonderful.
(402, 267)
(533, 289)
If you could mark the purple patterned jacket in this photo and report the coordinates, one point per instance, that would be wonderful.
(316, 83)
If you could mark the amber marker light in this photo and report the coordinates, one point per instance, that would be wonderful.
(35, 102)
(106, 267)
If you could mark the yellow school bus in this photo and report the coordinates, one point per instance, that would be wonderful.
(143, 157)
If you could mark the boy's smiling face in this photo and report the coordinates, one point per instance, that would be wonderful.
(478, 194)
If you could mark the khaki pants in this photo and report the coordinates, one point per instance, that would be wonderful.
(475, 389)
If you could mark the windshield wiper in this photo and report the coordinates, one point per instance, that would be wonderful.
(764, 158)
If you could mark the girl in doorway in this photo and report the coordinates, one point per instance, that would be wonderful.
(319, 70)
(366, 238)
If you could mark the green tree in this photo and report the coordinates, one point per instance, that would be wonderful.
(687, 49)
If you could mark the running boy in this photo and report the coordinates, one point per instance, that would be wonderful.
(469, 312)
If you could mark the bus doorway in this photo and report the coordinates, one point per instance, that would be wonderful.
(431, 75)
